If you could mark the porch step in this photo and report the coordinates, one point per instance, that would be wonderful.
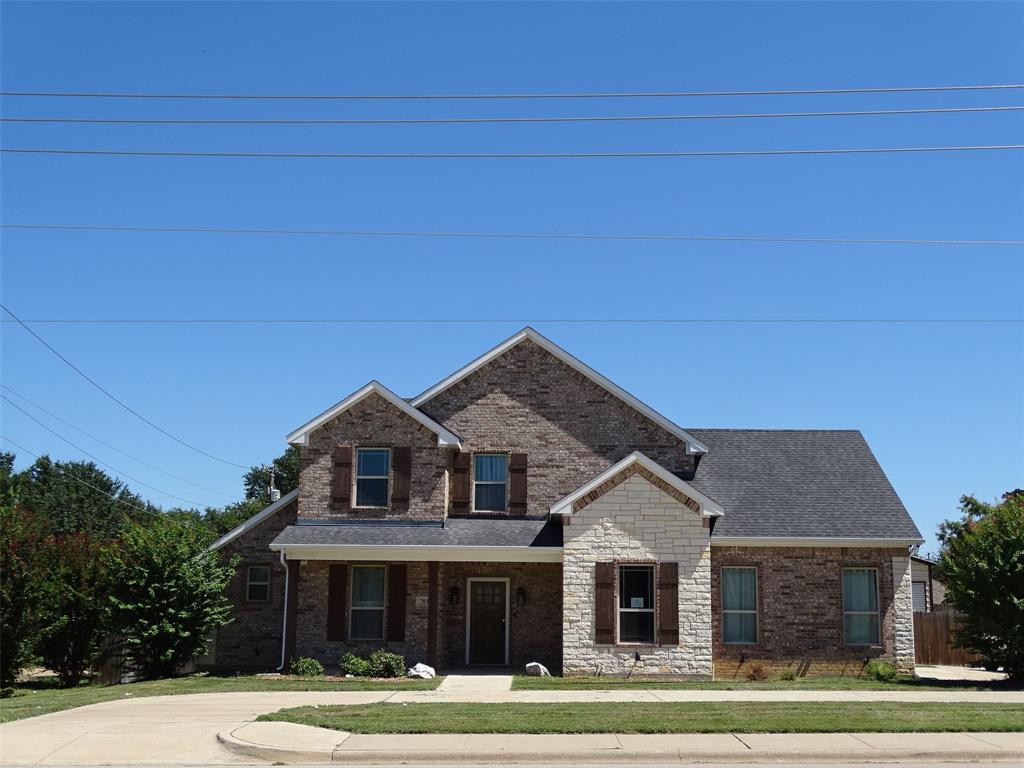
(486, 683)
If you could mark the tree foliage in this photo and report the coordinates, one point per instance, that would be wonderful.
(982, 565)
(286, 477)
(24, 564)
(167, 589)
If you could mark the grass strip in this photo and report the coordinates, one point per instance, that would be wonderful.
(636, 717)
(42, 696)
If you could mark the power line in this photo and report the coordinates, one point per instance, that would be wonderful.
(115, 448)
(472, 120)
(80, 480)
(509, 235)
(106, 392)
(112, 468)
(501, 155)
(528, 321)
(493, 96)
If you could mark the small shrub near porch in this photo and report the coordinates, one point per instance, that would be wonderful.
(380, 664)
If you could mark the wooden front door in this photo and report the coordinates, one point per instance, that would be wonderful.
(488, 618)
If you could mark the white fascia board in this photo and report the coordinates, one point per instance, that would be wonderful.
(809, 541)
(444, 437)
(255, 520)
(708, 506)
(693, 445)
(417, 553)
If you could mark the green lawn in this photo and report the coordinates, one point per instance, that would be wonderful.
(40, 696)
(689, 717)
(526, 683)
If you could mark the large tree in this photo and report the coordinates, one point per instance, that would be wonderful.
(982, 565)
(286, 476)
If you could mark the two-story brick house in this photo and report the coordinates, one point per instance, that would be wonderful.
(526, 509)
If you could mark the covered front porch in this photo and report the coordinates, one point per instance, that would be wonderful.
(431, 593)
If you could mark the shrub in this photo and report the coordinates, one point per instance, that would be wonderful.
(307, 667)
(787, 674)
(355, 665)
(386, 664)
(882, 671)
(757, 673)
(24, 582)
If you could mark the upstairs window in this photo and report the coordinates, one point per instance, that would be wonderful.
(373, 475)
(739, 605)
(490, 482)
(367, 602)
(636, 604)
(860, 606)
(257, 584)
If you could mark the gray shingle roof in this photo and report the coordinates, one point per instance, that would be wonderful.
(455, 533)
(799, 483)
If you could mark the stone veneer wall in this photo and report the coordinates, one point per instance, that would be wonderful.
(800, 610)
(311, 617)
(528, 401)
(373, 423)
(535, 629)
(252, 641)
(637, 521)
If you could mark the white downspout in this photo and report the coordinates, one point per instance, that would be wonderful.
(284, 622)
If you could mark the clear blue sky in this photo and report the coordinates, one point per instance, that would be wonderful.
(940, 403)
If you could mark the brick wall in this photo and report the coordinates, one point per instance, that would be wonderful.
(252, 641)
(637, 521)
(373, 423)
(535, 629)
(311, 618)
(800, 610)
(528, 401)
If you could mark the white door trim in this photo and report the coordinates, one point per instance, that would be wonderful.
(469, 610)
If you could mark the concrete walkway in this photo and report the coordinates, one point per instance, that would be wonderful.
(288, 742)
(184, 729)
(476, 683)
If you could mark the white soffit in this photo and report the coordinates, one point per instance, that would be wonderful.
(444, 438)
(693, 445)
(708, 506)
(256, 519)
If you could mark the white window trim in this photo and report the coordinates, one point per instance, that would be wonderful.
(383, 603)
(757, 603)
(490, 482)
(249, 583)
(652, 610)
(875, 613)
(357, 477)
(469, 613)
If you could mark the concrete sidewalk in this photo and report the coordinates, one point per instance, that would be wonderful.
(288, 742)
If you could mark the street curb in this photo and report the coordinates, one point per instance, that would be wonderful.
(448, 756)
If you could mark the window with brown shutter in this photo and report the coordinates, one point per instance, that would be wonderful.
(337, 596)
(668, 603)
(517, 484)
(396, 602)
(460, 483)
(341, 490)
(401, 468)
(604, 603)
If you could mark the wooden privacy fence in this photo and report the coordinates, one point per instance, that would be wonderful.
(933, 640)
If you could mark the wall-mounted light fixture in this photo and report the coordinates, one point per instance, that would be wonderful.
(520, 596)
(453, 596)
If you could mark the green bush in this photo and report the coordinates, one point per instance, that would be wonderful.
(355, 665)
(307, 667)
(787, 674)
(757, 673)
(386, 664)
(882, 671)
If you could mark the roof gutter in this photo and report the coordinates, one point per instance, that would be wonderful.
(810, 541)
(419, 553)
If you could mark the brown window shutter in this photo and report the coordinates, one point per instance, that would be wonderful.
(517, 484)
(396, 602)
(604, 604)
(341, 491)
(337, 601)
(401, 468)
(460, 483)
(668, 603)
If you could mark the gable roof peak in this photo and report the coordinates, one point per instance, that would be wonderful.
(693, 445)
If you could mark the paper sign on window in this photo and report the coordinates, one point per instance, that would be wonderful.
(636, 602)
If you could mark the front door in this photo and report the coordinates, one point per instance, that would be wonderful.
(487, 622)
